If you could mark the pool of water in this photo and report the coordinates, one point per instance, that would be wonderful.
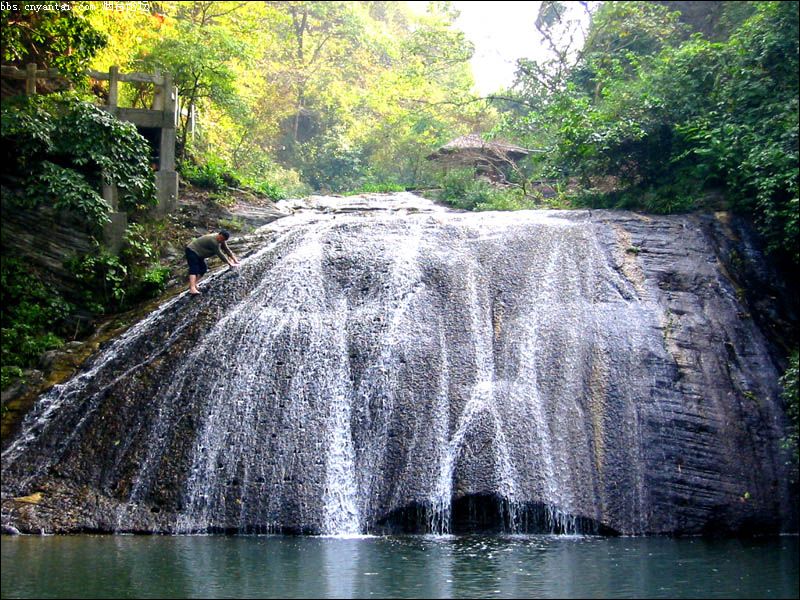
(88, 566)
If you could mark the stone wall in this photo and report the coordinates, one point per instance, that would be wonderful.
(45, 238)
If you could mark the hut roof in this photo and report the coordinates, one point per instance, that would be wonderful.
(474, 143)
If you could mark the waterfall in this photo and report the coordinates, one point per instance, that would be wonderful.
(385, 364)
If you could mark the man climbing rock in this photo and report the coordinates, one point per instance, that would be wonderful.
(199, 249)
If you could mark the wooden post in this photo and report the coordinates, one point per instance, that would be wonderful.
(30, 79)
(159, 92)
(167, 177)
(170, 102)
(113, 89)
(166, 151)
(110, 194)
(114, 230)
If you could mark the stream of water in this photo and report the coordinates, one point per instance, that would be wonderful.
(397, 567)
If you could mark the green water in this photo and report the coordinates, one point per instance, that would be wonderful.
(397, 567)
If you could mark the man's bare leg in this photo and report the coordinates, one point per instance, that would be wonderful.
(193, 284)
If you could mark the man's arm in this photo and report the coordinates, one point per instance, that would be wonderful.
(229, 252)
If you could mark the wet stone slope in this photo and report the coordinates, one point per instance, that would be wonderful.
(383, 364)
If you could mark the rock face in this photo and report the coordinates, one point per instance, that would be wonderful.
(46, 238)
(383, 364)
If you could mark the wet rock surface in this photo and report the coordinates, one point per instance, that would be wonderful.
(382, 364)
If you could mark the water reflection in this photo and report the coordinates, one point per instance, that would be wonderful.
(397, 567)
(340, 567)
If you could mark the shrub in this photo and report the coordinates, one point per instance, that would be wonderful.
(32, 315)
(144, 278)
(789, 383)
(271, 190)
(152, 283)
(7, 375)
(461, 189)
(111, 283)
(68, 190)
(506, 199)
(377, 188)
(65, 146)
(213, 174)
(102, 277)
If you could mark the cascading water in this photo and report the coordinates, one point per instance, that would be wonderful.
(385, 364)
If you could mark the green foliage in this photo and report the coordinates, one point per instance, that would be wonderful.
(102, 276)
(212, 174)
(64, 40)
(461, 189)
(64, 145)
(791, 396)
(145, 277)
(328, 164)
(152, 283)
(376, 188)
(663, 199)
(92, 138)
(216, 174)
(507, 199)
(199, 57)
(36, 318)
(29, 127)
(338, 92)
(7, 375)
(623, 34)
(66, 189)
(302, 95)
(257, 171)
(110, 283)
(750, 133)
(271, 190)
(32, 314)
(137, 250)
(661, 118)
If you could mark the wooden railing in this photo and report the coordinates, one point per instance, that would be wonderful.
(30, 75)
(165, 97)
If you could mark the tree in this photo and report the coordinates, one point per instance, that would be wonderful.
(421, 100)
(199, 54)
(668, 115)
(64, 40)
(339, 92)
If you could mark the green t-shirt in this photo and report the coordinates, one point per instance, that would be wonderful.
(207, 245)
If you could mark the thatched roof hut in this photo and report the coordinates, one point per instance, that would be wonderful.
(475, 143)
(492, 158)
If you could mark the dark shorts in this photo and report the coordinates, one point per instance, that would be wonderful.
(197, 266)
